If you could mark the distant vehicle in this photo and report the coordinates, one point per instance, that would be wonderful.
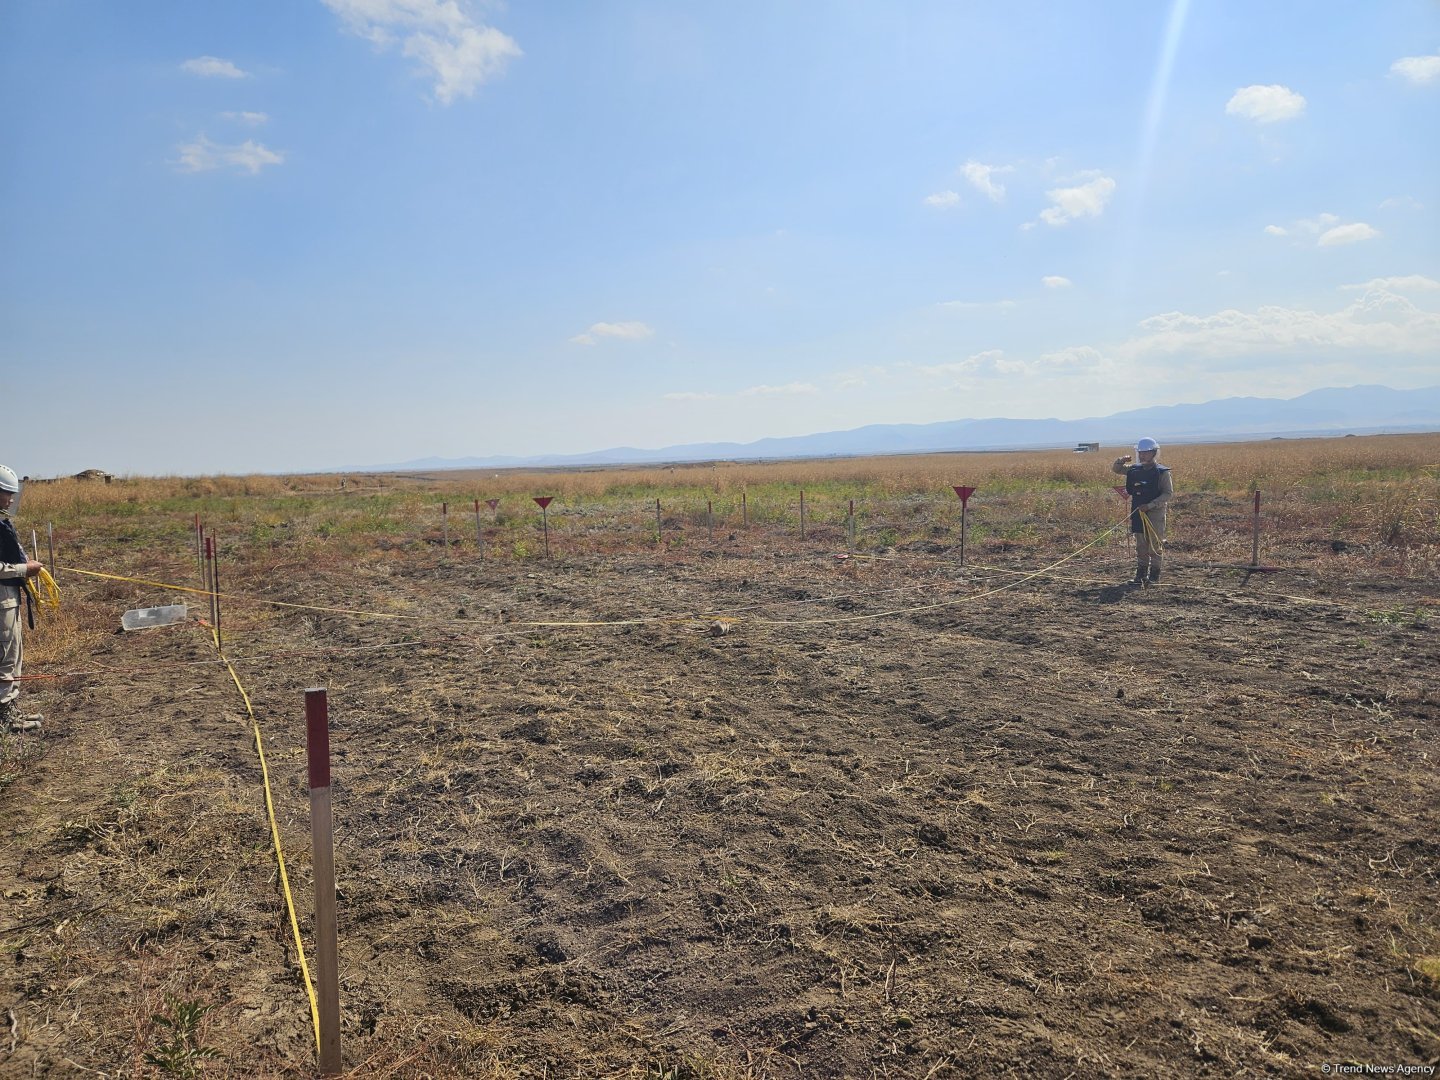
(1087, 448)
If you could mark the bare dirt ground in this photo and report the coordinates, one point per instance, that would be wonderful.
(794, 815)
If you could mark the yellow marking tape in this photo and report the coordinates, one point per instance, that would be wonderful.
(275, 839)
(943, 603)
(231, 596)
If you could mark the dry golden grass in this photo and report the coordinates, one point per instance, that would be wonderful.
(1273, 464)
(1368, 490)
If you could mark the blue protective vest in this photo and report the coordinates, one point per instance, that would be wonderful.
(12, 552)
(1142, 484)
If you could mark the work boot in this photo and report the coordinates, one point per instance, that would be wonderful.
(13, 722)
(1140, 574)
(1154, 574)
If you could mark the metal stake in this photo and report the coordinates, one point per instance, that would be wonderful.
(1255, 532)
(322, 843)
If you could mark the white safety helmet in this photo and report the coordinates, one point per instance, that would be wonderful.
(8, 480)
(1146, 444)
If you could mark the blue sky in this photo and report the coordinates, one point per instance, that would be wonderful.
(284, 235)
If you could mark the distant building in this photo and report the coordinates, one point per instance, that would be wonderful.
(1087, 448)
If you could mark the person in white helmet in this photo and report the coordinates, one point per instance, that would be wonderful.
(15, 567)
(1150, 488)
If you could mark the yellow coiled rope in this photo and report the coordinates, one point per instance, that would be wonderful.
(43, 590)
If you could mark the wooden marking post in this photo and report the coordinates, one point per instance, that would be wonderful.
(1255, 532)
(212, 556)
(50, 536)
(744, 512)
(964, 493)
(445, 525)
(199, 544)
(322, 842)
(802, 515)
(657, 521)
(543, 501)
(710, 518)
(850, 526)
(479, 535)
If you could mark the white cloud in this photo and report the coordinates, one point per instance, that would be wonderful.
(249, 119)
(1055, 281)
(1417, 69)
(202, 155)
(1074, 357)
(982, 178)
(986, 362)
(1266, 104)
(212, 67)
(1378, 321)
(1316, 225)
(1329, 232)
(1276, 230)
(943, 199)
(788, 388)
(1347, 234)
(626, 331)
(1084, 200)
(689, 395)
(1402, 202)
(1408, 283)
(454, 50)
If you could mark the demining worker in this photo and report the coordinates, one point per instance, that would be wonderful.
(1149, 486)
(15, 567)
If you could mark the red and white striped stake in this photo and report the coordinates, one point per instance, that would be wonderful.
(322, 841)
(964, 493)
(1255, 532)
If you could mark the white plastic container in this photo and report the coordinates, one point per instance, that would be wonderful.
(146, 617)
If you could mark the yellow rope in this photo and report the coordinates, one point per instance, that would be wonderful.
(230, 596)
(1157, 544)
(43, 590)
(275, 839)
(236, 598)
(944, 603)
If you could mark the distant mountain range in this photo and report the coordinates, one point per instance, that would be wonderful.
(1348, 410)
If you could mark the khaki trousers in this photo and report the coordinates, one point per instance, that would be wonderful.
(11, 647)
(1147, 550)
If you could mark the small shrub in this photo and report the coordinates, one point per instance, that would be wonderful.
(180, 1053)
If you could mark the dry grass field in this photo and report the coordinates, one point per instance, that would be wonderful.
(732, 802)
